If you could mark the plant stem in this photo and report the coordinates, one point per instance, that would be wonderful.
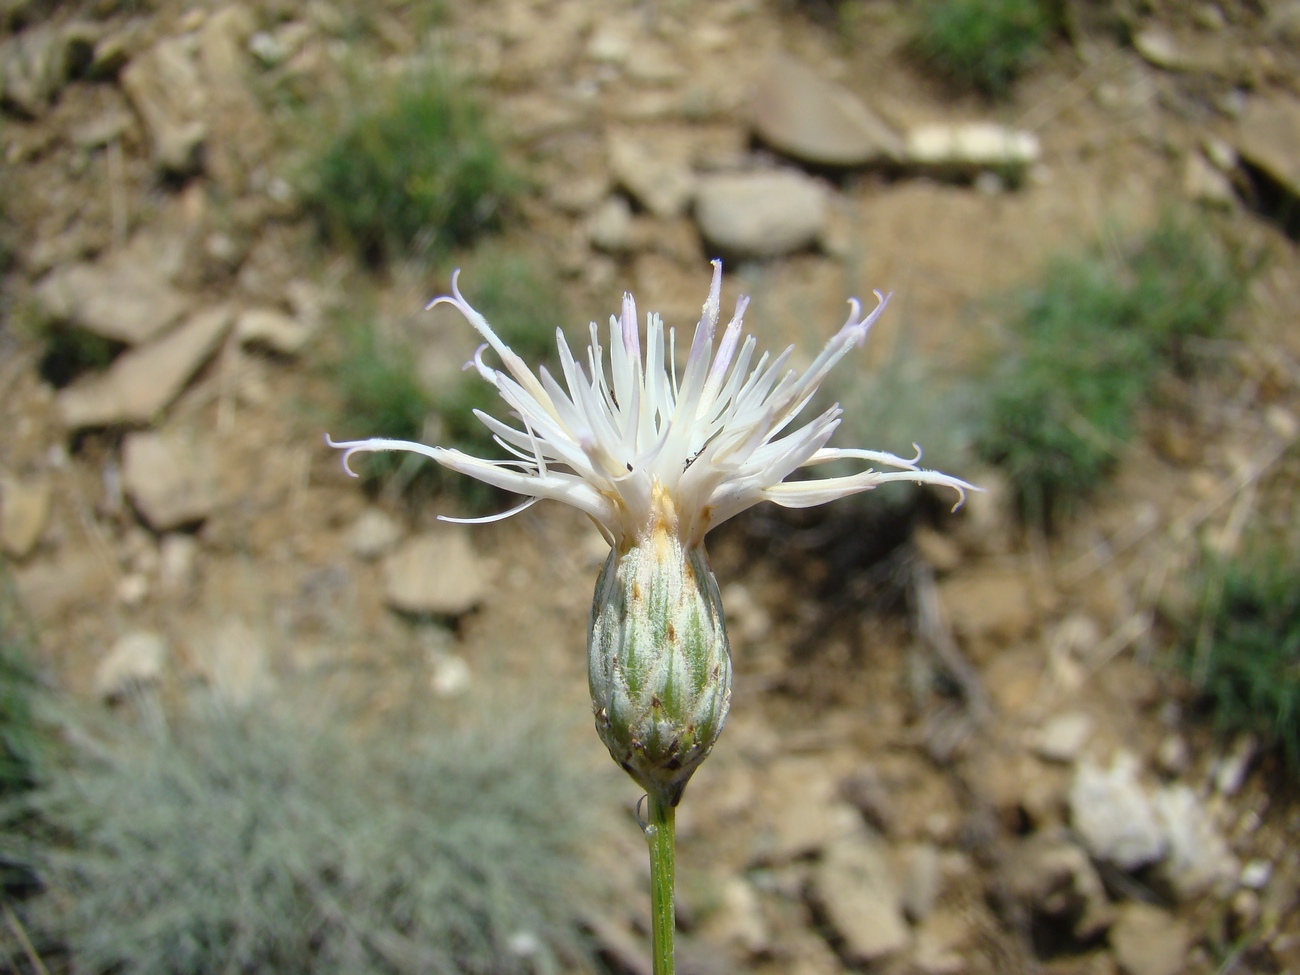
(661, 836)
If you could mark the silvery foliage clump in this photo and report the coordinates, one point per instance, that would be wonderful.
(251, 842)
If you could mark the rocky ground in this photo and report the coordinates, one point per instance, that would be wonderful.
(175, 519)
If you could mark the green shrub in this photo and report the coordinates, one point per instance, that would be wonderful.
(19, 730)
(255, 843)
(1246, 662)
(1084, 347)
(981, 44)
(416, 174)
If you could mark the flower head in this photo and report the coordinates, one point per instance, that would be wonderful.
(632, 443)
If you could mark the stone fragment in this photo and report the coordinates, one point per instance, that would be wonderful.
(1198, 858)
(135, 660)
(1269, 139)
(437, 572)
(450, 675)
(855, 888)
(1149, 941)
(106, 127)
(233, 658)
(798, 113)
(922, 880)
(738, 919)
(373, 534)
(660, 183)
(1203, 183)
(166, 89)
(1230, 770)
(1062, 738)
(1048, 875)
(992, 605)
(270, 329)
(1159, 48)
(1113, 814)
(800, 796)
(169, 478)
(142, 382)
(761, 214)
(24, 512)
(609, 228)
(939, 944)
(177, 564)
(121, 299)
(971, 146)
(35, 64)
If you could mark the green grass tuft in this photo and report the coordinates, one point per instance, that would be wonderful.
(1246, 661)
(259, 843)
(982, 44)
(1086, 343)
(415, 175)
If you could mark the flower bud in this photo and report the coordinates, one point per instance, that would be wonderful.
(659, 665)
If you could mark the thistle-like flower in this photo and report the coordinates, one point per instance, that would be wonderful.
(657, 459)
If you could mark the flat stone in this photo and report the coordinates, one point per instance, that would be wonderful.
(1198, 858)
(662, 184)
(141, 383)
(373, 534)
(1269, 139)
(1149, 941)
(135, 660)
(1047, 874)
(122, 300)
(609, 228)
(178, 555)
(971, 146)
(800, 800)
(1062, 738)
(855, 888)
(437, 572)
(24, 513)
(1113, 814)
(169, 478)
(165, 87)
(760, 215)
(268, 328)
(797, 112)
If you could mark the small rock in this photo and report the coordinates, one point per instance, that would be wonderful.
(142, 382)
(1113, 814)
(165, 88)
(660, 183)
(970, 147)
(1048, 875)
(941, 551)
(135, 660)
(800, 114)
(35, 64)
(1198, 858)
(1063, 738)
(1231, 770)
(940, 941)
(133, 589)
(122, 299)
(373, 534)
(867, 792)
(1203, 183)
(609, 228)
(1256, 874)
(738, 920)
(922, 873)
(24, 512)
(177, 564)
(800, 801)
(854, 887)
(102, 129)
(1269, 139)
(1149, 941)
(450, 675)
(437, 572)
(1158, 47)
(994, 605)
(1173, 757)
(763, 214)
(273, 330)
(233, 658)
(169, 478)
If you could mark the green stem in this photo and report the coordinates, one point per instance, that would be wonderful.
(661, 835)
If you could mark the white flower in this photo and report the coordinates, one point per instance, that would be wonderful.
(632, 444)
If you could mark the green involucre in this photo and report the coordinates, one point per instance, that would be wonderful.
(659, 664)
